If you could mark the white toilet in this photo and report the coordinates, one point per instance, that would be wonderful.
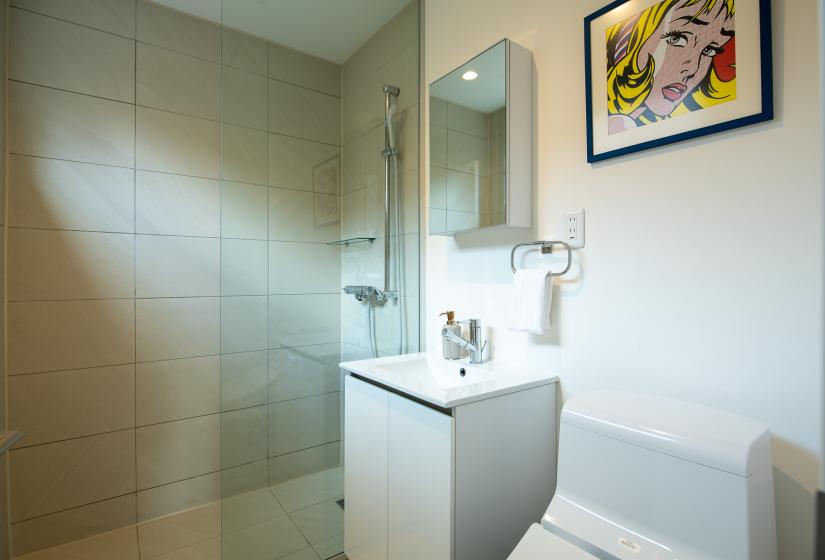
(648, 478)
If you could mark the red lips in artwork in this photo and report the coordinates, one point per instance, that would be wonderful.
(674, 91)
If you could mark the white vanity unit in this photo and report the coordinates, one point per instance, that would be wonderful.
(445, 459)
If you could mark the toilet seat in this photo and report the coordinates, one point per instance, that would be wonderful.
(540, 544)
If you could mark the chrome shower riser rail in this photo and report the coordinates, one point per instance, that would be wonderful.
(387, 154)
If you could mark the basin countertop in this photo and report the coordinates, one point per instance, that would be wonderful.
(435, 380)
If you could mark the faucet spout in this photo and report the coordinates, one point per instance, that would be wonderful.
(474, 346)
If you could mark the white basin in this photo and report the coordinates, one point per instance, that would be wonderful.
(441, 382)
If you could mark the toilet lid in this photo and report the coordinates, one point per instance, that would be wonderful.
(540, 544)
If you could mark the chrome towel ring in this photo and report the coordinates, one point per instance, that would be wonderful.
(546, 248)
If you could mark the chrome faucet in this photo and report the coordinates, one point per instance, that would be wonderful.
(474, 345)
(369, 293)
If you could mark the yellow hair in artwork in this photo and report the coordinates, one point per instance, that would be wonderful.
(628, 84)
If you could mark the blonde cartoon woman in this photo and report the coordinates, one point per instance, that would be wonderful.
(676, 57)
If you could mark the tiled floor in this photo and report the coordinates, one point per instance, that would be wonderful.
(294, 520)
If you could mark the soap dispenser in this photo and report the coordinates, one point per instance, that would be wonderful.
(450, 349)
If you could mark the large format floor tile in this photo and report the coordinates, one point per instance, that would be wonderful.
(180, 531)
(249, 526)
(72, 525)
(320, 522)
(330, 548)
(248, 510)
(206, 550)
(121, 544)
(311, 489)
(305, 554)
(272, 539)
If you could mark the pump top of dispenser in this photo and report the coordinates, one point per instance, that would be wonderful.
(450, 349)
(450, 317)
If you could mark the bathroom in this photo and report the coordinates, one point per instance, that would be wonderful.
(208, 205)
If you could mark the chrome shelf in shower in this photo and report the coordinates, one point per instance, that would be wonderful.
(350, 241)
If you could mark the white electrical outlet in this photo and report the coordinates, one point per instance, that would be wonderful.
(574, 228)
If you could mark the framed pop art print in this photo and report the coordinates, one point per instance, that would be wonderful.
(663, 71)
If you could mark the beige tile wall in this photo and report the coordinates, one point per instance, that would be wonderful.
(174, 310)
(498, 165)
(466, 167)
(390, 56)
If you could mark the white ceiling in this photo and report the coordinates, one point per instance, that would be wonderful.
(487, 92)
(331, 29)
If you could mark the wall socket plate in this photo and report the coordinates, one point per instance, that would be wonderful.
(574, 228)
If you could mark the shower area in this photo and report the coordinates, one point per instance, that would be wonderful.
(208, 205)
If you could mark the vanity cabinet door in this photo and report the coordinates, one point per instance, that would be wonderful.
(365, 470)
(420, 460)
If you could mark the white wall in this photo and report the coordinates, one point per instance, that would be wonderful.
(702, 275)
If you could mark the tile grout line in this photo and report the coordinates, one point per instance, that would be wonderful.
(220, 280)
(13, 5)
(269, 270)
(175, 235)
(171, 173)
(175, 297)
(135, 279)
(173, 359)
(137, 106)
(5, 461)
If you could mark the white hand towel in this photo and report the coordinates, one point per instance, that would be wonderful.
(532, 298)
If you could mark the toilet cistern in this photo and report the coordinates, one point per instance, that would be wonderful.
(474, 345)
(642, 477)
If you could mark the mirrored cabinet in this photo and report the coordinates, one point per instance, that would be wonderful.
(481, 143)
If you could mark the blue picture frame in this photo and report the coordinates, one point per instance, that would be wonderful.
(766, 113)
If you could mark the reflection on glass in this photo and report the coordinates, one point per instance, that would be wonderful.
(468, 145)
(302, 137)
(281, 203)
(241, 142)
